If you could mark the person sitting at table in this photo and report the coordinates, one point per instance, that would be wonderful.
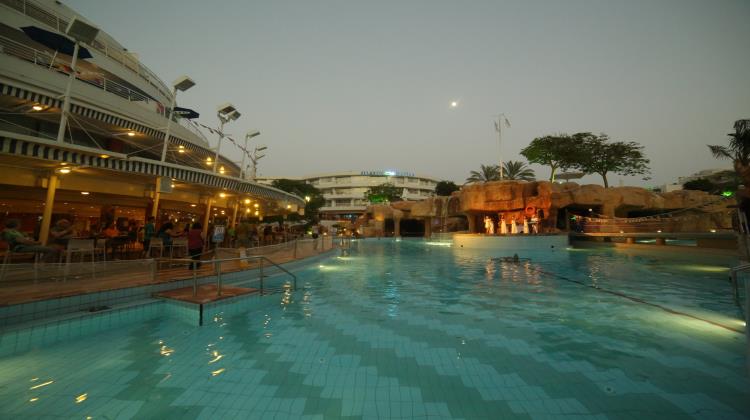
(18, 242)
(111, 231)
(166, 233)
(61, 233)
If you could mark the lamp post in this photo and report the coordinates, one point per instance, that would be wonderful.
(225, 113)
(81, 32)
(248, 136)
(254, 158)
(183, 83)
(501, 119)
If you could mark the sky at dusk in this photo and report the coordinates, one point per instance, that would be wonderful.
(355, 85)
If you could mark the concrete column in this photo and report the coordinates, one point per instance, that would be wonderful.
(155, 205)
(49, 203)
(472, 223)
(234, 213)
(397, 228)
(207, 216)
(428, 227)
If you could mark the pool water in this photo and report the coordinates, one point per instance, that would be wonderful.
(415, 330)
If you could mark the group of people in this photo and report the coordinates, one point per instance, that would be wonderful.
(526, 227)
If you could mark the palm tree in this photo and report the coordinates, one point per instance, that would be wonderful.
(738, 149)
(517, 170)
(486, 173)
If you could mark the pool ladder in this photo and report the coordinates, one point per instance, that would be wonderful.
(733, 277)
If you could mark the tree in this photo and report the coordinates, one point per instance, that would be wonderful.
(445, 188)
(717, 183)
(700, 184)
(383, 193)
(556, 151)
(738, 149)
(302, 189)
(485, 174)
(596, 155)
(517, 170)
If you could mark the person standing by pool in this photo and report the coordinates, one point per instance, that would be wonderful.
(148, 232)
(196, 240)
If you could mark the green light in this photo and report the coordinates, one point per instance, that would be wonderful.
(727, 193)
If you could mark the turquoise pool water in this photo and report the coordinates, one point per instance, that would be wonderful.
(415, 330)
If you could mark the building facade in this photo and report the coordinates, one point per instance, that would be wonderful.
(344, 192)
(107, 158)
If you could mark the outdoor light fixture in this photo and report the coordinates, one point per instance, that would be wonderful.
(307, 198)
(182, 83)
(81, 32)
(248, 136)
(226, 113)
(37, 107)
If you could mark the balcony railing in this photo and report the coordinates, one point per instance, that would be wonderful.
(38, 13)
(62, 65)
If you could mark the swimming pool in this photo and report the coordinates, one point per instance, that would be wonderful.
(411, 329)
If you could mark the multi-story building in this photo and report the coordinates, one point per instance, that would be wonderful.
(344, 192)
(107, 156)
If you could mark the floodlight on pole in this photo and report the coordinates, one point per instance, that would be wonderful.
(254, 158)
(501, 119)
(248, 136)
(81, 32)
(226, 112)
(183, 83)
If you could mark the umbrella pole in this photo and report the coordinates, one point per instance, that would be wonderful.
(66, 96)
(52, 61)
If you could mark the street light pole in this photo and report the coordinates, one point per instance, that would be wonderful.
(248, 136)
(501, 119)
(225, 113)
(183, 83)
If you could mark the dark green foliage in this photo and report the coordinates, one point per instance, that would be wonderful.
(384, 193)
(445, 188)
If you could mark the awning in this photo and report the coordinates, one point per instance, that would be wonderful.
(54, 40)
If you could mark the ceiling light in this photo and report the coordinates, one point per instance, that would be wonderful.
(256, 205)
(103, 156)
(222, 195)
(131, 133)
(84, 193)
(37, 107)
(247, 201)
(64, 170)
(193, 205)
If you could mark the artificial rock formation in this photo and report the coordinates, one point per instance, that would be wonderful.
(698, 210)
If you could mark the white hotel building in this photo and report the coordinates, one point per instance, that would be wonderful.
(344, 192)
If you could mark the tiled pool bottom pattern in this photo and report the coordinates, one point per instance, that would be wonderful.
(412, 331)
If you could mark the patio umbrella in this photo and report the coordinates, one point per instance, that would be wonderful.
(58, 42)
(186, 113)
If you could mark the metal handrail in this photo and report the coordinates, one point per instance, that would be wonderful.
(736, 289)
(217, 265)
